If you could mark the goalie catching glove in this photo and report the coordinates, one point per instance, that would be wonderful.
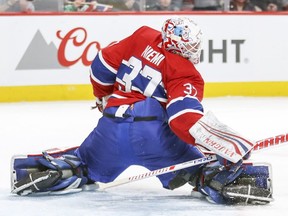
(46, 174)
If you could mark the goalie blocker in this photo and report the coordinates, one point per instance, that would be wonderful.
(212, 134)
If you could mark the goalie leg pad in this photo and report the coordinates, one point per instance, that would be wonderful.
(247, 194)
(45, 173)
(261, 174)
(23, 165)
(36, 181)
(252, 186)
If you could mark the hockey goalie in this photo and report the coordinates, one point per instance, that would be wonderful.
(150, 93)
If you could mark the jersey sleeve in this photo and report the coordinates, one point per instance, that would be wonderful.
(185, 93)
(105, 65)
(102, 76)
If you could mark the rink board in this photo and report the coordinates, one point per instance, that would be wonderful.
(51, 58)
(84, 92)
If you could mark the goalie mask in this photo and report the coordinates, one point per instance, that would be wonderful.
(183, 37)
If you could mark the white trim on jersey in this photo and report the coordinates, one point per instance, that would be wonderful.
(118, 96)
(98, 81)
(163, 100)
(180, 98)
(105, 63)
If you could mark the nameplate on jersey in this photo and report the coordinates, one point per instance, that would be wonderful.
(152, 56)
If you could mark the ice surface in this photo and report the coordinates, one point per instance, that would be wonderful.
(32, 127)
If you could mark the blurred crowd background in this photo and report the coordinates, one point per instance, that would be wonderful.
(141, 5)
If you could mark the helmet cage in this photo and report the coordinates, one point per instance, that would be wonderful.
(183, 37)
(191, 51)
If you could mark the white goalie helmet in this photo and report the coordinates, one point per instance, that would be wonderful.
(182, 36)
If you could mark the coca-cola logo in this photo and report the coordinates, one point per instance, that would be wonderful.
(75, 46)
(73, 38)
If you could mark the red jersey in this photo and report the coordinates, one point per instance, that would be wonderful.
(138, 67)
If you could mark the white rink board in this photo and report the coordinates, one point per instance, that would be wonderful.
(255, 46)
